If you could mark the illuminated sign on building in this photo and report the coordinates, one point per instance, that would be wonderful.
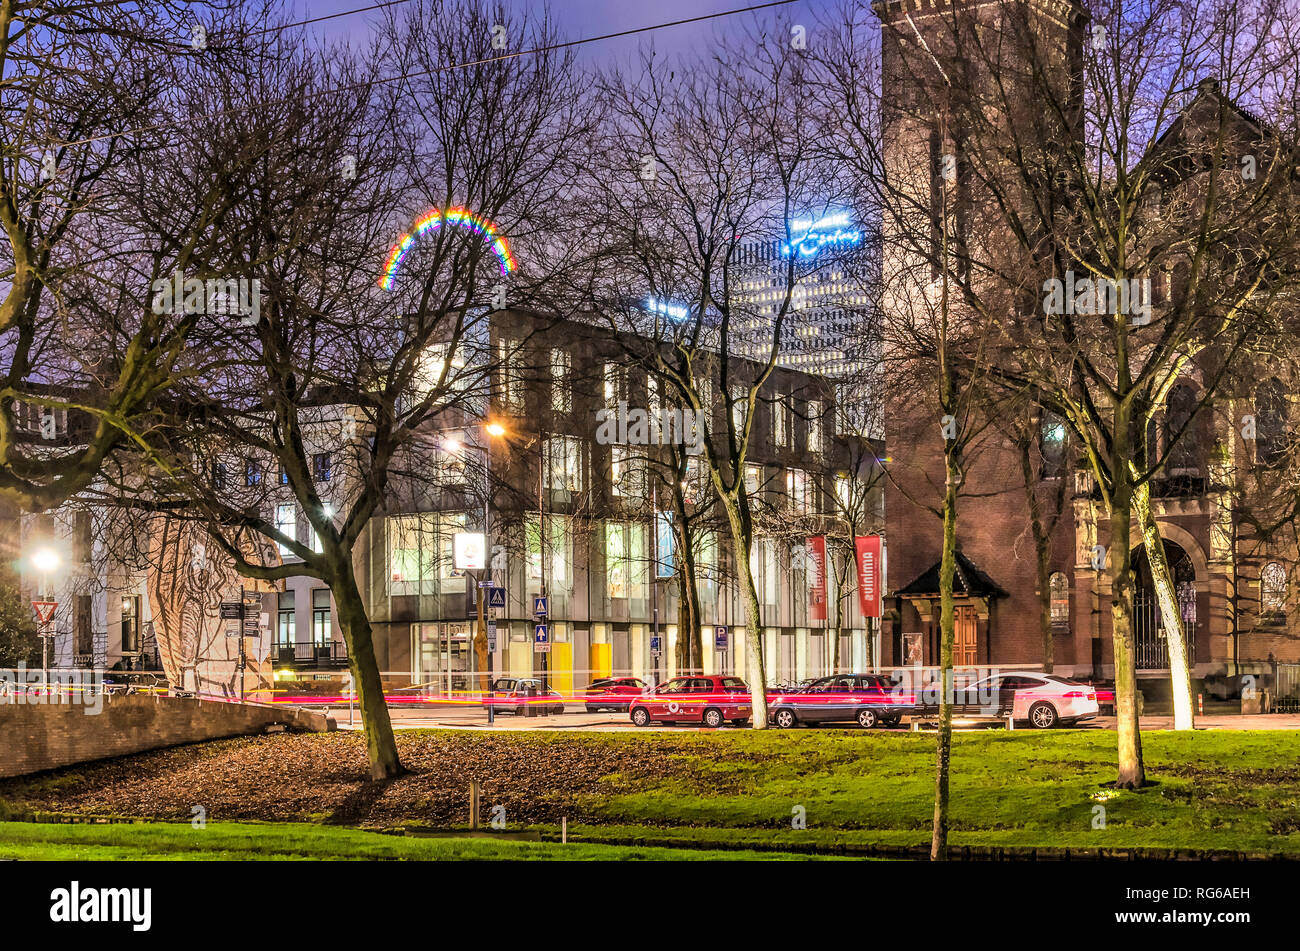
(656, 305)
(811, 235)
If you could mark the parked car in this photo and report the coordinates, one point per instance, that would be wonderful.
(1041, 700)
(870, 699)
(613, 693)
(517, 693)
(710, 700)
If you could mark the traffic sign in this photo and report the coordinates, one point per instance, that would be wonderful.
(232, 610)
(655, 649)
(44, 610)
(492, 635)
(540, 634)
(720, 637)
(496, 598)
(539, 606)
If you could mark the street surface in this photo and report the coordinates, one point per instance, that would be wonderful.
(466, 717)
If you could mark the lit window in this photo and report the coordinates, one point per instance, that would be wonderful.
(564, 464)
(781, 421)
(320, 617)
(322, 465)
(815, 429)
(561, 389)
(1059, 591)
(799, 489)
(287, 623)
(286, 523)
(1272, 588)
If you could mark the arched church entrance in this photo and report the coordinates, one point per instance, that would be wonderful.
(1149, 639)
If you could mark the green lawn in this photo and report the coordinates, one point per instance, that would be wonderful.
(858, 791)
(1223, 790)
(296, 841)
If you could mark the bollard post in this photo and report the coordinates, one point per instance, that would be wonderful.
(474, 793)
(564, 830)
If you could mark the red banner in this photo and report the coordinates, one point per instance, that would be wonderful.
(870, 556)
(815, 548)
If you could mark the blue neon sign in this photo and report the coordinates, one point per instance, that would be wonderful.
(812, 235)
(657, 305)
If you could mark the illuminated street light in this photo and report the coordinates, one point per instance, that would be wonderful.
(45, 560)
(495, 429)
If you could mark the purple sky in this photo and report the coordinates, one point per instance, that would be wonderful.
(583, 18)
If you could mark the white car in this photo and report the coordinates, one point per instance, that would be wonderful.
(1041, 700)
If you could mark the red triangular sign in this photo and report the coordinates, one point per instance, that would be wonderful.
(44, 610)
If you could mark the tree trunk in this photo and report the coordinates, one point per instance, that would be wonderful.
(1042, 555)
(1132, 775)
(841, 578)
(380, 743)
(741, 536)
(690, 644)
(947, 636)
(1179, 672)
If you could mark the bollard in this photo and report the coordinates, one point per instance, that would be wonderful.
(474, 793)
(1200, 704)
(564, 830)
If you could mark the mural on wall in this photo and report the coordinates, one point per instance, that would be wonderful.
(188, 580)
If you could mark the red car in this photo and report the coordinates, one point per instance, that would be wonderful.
(710, 700)
(613, 693)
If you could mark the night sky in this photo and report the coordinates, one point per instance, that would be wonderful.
(585, 18)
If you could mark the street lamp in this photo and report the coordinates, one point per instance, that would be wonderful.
(46, 561)
(496, 429)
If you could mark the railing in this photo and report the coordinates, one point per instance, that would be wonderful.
(1286, 688)
(334, 653)
(1151, 645)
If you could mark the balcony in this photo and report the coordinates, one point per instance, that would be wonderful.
(331, 656)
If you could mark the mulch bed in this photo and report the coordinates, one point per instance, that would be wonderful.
(323, 777)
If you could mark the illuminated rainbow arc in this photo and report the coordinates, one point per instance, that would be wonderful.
(461, 217)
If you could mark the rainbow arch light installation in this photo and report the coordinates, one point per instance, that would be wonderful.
(458, 217)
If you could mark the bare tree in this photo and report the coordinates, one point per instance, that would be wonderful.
(1119, 164)
(89, 96)
(703, 162)
(339, 382)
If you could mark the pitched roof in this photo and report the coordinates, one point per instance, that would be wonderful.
(967, 581)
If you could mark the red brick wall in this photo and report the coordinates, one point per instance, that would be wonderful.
(992, 531)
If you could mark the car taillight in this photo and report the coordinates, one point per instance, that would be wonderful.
(1076, 694)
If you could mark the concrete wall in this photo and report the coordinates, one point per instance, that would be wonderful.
(36, 737)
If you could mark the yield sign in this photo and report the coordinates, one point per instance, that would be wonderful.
(44, 610)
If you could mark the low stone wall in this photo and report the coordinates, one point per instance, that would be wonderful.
(35, 737)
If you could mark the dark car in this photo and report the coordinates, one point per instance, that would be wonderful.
(519, 693)
(613, 693)
(869, 699)
(710, 699)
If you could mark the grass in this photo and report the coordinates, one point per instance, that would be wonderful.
(240, 841)
(1224, 790)
(731, 792)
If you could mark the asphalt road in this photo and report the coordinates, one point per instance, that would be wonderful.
(472, 717)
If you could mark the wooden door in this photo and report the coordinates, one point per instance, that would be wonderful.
(965, 651)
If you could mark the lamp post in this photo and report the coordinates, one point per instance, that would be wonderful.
(494, 430)
(46, 561)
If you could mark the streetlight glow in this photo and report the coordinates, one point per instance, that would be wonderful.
(45, 560)
(495, 429)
